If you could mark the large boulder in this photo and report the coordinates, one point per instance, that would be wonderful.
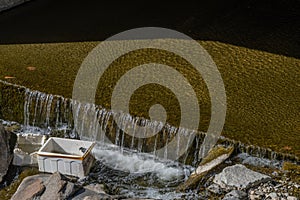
(215, 157)
(46, 187)
(7, 145)
(239, 177)
(31, 187)
(58, 187)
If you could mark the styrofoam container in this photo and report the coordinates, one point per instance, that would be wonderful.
(67, 156)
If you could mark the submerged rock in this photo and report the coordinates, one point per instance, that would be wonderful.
(239, 177)
(7, 144)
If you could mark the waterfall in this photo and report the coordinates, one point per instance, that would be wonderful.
(92, 122)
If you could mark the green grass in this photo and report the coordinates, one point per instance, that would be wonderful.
(263, 89)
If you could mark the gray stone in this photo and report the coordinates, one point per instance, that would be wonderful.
(258, 162)
(235, 195)
(69, 190)
(94, 197)
(254, 197)
(273, 196)
(6, 4)
(292, 198)
(240, 177)
(214, 188)
(7, 145)
(90, 195)
(58, 187)
(30, 187)
(98, 188)
(137, 199)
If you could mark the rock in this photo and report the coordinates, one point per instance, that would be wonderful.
(90, 195)
(258, 162)
(215, 157)
(254, 197)
(69, 190)
(235, 195)
(98, 188)
(58, 187)
(7, 145)
(94, 197)
(273, 196)
(292, 198)
(240, 177)
(214, 188)
(137, 199)
(30, 187)
(6, 4)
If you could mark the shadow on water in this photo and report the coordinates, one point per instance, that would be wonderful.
(272, 26)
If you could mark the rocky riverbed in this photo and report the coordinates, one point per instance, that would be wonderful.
(223, 174)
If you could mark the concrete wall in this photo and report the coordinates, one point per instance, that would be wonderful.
(6, 4)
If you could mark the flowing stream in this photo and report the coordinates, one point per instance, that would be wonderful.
(128, 165)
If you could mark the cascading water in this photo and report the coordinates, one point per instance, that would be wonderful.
(118, 155)
(95, 123)
(128, 164)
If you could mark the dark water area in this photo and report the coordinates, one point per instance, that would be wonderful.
(272, 26)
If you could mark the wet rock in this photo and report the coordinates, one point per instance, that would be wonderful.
(258, 162)
(137, 199)
(240, 177)
(31, 187)
(98, 188)
(215, 157)
(90, 195)
(94, 197)
(58, 187)
(273, 196)
(292, 198)
(7, 144)
(235, 195)
(214, 188)
(254, 197)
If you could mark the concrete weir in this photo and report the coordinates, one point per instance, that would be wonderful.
(92, 122)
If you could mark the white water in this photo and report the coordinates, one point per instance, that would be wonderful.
(133, 162)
